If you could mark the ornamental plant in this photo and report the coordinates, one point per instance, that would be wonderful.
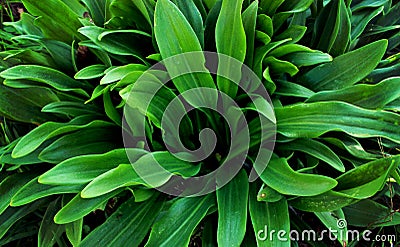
(82, 124)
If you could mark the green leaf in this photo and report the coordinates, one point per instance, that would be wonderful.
(296, 183)
(73, 231)
(97, 10)
(232, 210)
(181, 218)
(156, 108)
(146, 8)
(118, 42)
(368, 213)
(83, 169)
(127, 175)
(294, 32)
(47, 76)
(367, 4)
(295, 6)
(316, 149)
(360, 20)
(261, 53)
(328, 201)
(60, 52)
(265, 25)
(249, 17)
(26, 106)
(31, 141)
(56, 15)
(50, 232)
(27, 56)
(267, 217)
(175, 36)
(120, 72)
(363, 95)
(71, 109)
(278, 67)
(25, 25)
(332, 221)
(96, 141)
(300, 59)
(314, 119)
(193, 16)
(10, 186)
(90, 72)
(327, 77)
(79, 207)
(230, 38)
(333, 27)
(267, 194)
(33, 191)
(128, 225)
(367, 172)
(352, 146)
(269, 7)
(9, 217)
(287, 88)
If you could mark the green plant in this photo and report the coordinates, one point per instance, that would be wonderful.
(331, 69)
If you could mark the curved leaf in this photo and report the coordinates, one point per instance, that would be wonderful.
(343, 71)
(314, 119)
(296, 183)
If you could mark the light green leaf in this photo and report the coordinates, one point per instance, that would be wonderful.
(367, 173)
(90, 72)
(33, 191)
(73, 231)
(230, 38)
(232, 210)
(287, 88)
(314, 119)
(182, 218)
(31, 141)
(126, 174)
(97, 10)
(119, 42)
(328, 201)
(47, 76)
(193, 16)
(54, 16)
(71, 109)
(267, 217)
(296, 183)
(120, 72)
(249, 17)
(83, 169)
(175, 36)
(79, 207)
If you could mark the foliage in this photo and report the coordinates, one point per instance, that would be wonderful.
(331, 69)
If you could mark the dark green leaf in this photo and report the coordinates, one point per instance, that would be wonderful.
(326, 76)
